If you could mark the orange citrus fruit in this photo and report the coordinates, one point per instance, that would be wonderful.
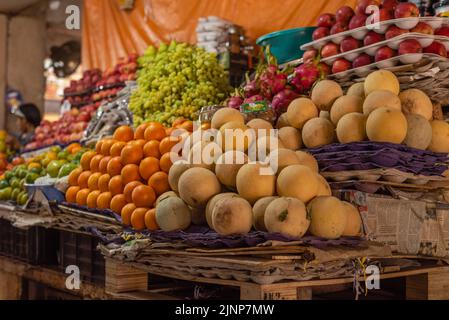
(106, 146)
(131, 154)
(83, 179)
(165, 162)
(81, 197)
(151, 149)
(103, 166)
(140, 131)
(126, 213)
(98, 146)
(104, 200)
(124, 133)
(114, 167)
(85, 159)
(129, 188)
(130, 173)
(168, 143)
(73, 177)
(103, 182)
(117, 203)
(115, 185)
(148, 167)
(138, 218)
(95, 163)
(143, 196)
(159, 182)
(150, 220)
(116, 149)
(155, 131)
(92, 182)
(70, 194)
(92, 199)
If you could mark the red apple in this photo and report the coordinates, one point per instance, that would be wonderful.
(344, 15)
(436, 48)
(386, 14)
(373, 37)
(357, 21)
(361, 6)
(341, 65)
(443, 31)
(406, 10)
(329, 50)
(338, 28)
(394, 31)
(349, 44)
(384, 53)
(320, 32)
(310, 55)
(362, 60)
(389, 4)
(409, 46)
(423, 28)
(326, 20)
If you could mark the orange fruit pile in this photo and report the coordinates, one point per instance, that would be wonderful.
(126, 173)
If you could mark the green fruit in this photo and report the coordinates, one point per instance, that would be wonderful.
(4, 184)
(9, 175)
(21, 167)
(21, 173)
(66, 169)
(70, 157)
(63, 155)
(15, 194)
(54, 167)
(22, 199)
(15, 182)
(36, 170)
(22, 183)
(56, 149)
(31, 177)
(6, 194)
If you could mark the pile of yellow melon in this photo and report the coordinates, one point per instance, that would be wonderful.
(374, 109)
(233, 197)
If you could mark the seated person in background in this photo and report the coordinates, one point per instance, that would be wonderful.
(28, 117)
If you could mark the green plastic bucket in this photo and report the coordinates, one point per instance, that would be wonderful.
(285, 44)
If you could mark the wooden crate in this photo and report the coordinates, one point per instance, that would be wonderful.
(428, 283)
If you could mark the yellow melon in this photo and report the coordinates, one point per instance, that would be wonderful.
(212, 203)
(324, 188)
(287, 216)
(282, 121)
(419, 132)
(328, 217)
(197, 185)
(300, 111)
(318, 132)
(282, 158)
(380, 99)
(232, 215)
(176, 170)
(254, 182)
(354, 221)
(386, 125)
(259, 209)
(263, 146)
(235, 136)
(164, 196)
(290, 138)
(382, 80)
(345, 105)
(173, 214)
(228, 165)
(299, 182)
(414, 101)
(351, 128)
(325, 115)
(324, 94)
(306, 159)
(440, 136)
(357, 89)
(225, 115)
(257, 124)
(204, 154)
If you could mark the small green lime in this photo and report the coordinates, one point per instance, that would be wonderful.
(15, 194)
(36, 170)
(63, 155)
(31, 177)
(15, 182)
(4, 184)
(7, 193)
(9, 175)
(22, 183)
(22, 199)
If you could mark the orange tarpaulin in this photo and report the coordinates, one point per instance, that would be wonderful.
(110, 33)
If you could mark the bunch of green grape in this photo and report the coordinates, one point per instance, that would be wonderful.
(177, 80)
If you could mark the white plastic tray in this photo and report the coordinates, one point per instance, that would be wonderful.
(360, 33)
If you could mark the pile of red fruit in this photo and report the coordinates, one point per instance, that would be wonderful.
(95, 87)
(348, 19)
(68, 128)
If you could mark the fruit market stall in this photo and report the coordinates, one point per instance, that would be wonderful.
(180, 175)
